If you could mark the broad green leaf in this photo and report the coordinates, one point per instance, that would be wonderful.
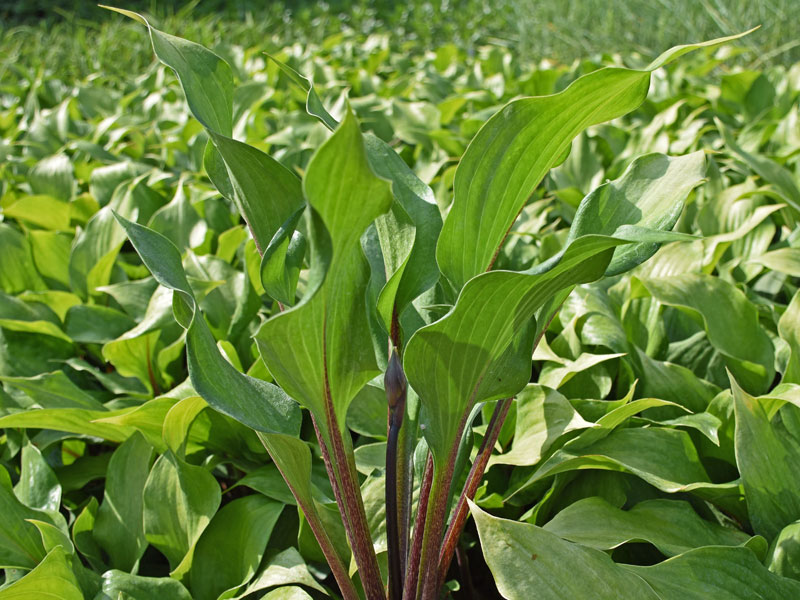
(251, 401)
(524, 557)
(53, 390)
(179, 221)
(283, 569)
(288, 593)
(320, 351)
(664, 458)
(715, 572)
(543, 415)
(282, 261)
(230, 549)
(268, 481)
(53, 176)
(93, 324)
(511, 154)
(784, 556)
(93, 253)
(785, 260)
(767, 452)
(79, 421)
(178, 421)
(18, 272)
(43, 211)
(118, 584)
(20, 542)
(179, 501)
(789, 329)
(38, 486)
(672, 526)
(52, 578)
(454, 363)
(119, 527)
(730, 320)
(51, 255)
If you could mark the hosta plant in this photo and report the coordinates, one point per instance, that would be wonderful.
(371, 293)
(372, 288)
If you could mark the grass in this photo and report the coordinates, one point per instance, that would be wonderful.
(73, 41)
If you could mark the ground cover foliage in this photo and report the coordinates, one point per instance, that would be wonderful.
(653, 455)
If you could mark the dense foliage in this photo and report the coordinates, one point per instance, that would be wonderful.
(654, 455)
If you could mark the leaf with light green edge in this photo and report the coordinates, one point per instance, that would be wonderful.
(230, 549)
(715, 572)
(283, 569)
(557, 376)
(52, 578)
(83, 539)
(20, 542)
(772, 172)
(288, 593)
(784, 555)
(767, 452)
(524, 557)
(51, 255)
(18, 273)
(672, 526)
(730, 320)
(448, 362)
(543, 416)
(320, 351)
(42, 211)
(178, 421)
(79, 421)
(53, 390)
(53, 536)
(789, 330)
(784, 260)
(56, 300)
(664, 458)
(179, 501)
(94, 324)
(672, 382)
(514, 150)
(147, 418)
(119, 527)
(254, 402)
(38, 486)
(134, 357)
(118, 584)
(53, 176)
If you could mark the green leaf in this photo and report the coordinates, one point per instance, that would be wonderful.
(282, 261)
(285, 568)
(92, 324)
(456, 361)
(18, 272)
(179, 221)
(511, 154)
(715, 572)
(320, 351)
(43, 211)
(251, 401)
(672, 526)
(789, 329)
(179, 501)
(767, 451)
(20, 542)
(72, 420)
(543, 416)
(730, 320)
(117, 584)
(524, 557)
(784, 556)
(53, 390)
(52, 578)
(53, 176)
(119, 527)
(82, 536)
(38, 485)
(230, 549)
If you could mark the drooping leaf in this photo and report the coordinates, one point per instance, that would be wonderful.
(52, 578)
